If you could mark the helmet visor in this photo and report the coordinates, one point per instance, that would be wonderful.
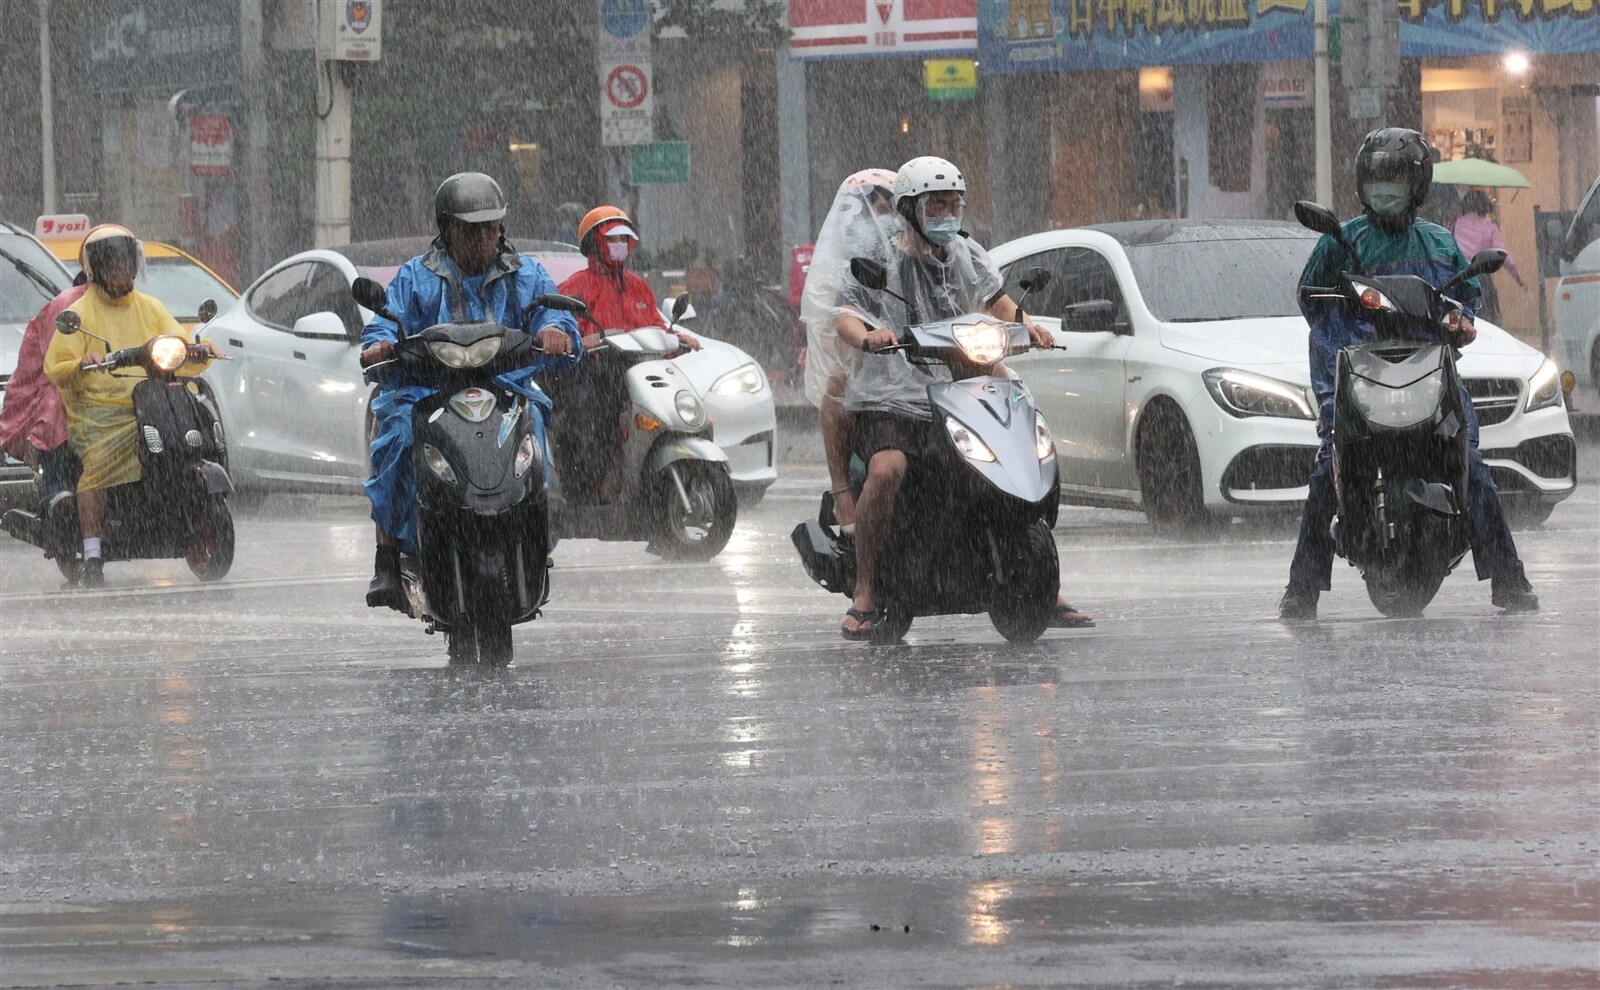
(114, 259)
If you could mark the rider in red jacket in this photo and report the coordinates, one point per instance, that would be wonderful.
(618, 299)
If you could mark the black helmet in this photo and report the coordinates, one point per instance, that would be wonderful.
(469, 197)
(1396, 155)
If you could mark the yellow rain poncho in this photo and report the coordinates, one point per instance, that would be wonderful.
(100, 423)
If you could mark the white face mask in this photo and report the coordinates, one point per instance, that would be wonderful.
(619, 252)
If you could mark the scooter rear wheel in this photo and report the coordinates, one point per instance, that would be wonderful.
(894, 621)
(210, 550)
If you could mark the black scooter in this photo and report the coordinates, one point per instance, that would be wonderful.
(972, 522)
(1400, 441)
(483, 515)
(179, 506)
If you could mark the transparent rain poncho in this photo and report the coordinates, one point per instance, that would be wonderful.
(860, 223)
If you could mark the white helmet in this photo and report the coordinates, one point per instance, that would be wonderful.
(924, 175)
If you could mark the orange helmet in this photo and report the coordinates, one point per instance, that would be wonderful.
(595, 218)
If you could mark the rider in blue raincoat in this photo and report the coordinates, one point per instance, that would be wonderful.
(470, 274)
(1394, 170)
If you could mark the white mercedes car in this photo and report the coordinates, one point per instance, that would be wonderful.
(1183, 387)
(294, 405)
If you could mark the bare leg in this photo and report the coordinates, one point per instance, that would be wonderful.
(885, 473)
(91, 512)
(384, 539)
(836, 448)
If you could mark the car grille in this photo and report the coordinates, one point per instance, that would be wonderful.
(1494, 399)
(1553, 457)
(1269, 467)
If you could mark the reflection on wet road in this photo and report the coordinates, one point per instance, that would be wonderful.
(688, 776)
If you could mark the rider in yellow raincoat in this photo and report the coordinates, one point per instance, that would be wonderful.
(100, 420)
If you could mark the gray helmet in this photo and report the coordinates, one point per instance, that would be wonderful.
(470, 197)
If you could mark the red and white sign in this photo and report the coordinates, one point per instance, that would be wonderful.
(627, 104)
(833, 28)
(799, 265)
(61, 225)
(1286, 84)
(627, 86)
(210, 145)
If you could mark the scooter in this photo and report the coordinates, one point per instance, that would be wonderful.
(179, 506)
(972, 525)
(673, 488)
(1400, 440)
(483, 524)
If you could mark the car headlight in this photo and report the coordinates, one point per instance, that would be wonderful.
(689, 407)
(983, 343)
(527, 453)
(1398, 407)
(1044, 444)
(437, 464)
(472, 356)
(1243, 394)
(168, 352)
(744, 380)
(1544, 388)
(967, 442)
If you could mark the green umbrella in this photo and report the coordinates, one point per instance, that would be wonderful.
(1477, 172)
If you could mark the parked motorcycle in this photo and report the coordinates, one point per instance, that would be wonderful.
(179, 506)
(1400, 440)
(972, 525)
(671, 485)
(483, 526)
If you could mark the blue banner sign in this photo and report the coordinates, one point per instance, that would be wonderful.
(1074, 35)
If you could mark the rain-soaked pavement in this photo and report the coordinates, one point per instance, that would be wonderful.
(688, 778)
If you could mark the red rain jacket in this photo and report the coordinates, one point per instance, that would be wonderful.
(617, 298)
(33, 413)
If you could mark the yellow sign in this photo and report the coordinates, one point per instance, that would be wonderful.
(951, 78)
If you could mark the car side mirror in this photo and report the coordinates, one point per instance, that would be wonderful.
(68, 322)
(680, 307)
(320, 326)
(869, 273)
(369, 294)
(208, 311)
(1093, 316)
(554, 300)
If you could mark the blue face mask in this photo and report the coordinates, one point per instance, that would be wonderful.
(941, 230)
(1388, 199)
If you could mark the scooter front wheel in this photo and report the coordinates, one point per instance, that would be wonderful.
(210, 550)
(1404, 592)
(694, 521)
(1024, 608)
(481, 643)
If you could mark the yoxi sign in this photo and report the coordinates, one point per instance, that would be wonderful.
(142, 44)
(1053, 35)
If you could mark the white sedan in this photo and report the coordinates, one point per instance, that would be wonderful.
(1183, 386)
(294, 405)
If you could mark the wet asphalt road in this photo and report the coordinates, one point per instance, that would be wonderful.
(687, 777)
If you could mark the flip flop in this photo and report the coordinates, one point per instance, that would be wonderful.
(1062, 622)
(865, 632)
(847, 529)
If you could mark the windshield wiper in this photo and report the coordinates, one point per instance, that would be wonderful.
(32, 274)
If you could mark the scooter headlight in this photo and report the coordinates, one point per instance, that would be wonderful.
(527, 453)
(472, 356)
(690, 409)
(168, 352)
(967, 442)
(437, 464)
(744, 380)
(982, 343)
(473, 404)
(1044, 444)
(1397, 408)
(1544, 388)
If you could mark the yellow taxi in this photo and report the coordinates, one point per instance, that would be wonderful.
(172, 275)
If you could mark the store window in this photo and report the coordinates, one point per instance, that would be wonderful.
(1231, 122)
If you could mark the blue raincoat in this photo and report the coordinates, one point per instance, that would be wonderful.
(1424, 249)
(428, 290)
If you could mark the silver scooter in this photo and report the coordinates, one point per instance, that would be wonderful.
(664, 481)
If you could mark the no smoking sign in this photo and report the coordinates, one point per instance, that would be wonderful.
(627, 87)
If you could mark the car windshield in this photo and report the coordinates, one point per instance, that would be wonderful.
(21, 297)
(1221, 279)
(182, 286)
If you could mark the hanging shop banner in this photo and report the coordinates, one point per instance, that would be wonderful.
(167, 44)
(870, 28)
(1068, 35)
(210, 145)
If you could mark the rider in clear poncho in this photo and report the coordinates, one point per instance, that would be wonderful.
(861, 223)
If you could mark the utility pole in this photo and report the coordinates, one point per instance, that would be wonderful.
(1323, 112)
(333, 141)
(47, 112)
(259, 248)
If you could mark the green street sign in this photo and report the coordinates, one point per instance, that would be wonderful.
(665, 163)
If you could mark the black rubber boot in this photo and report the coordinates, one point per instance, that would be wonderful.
(1298, 605)
(93, 573)
(1512, 592)
(386, 591)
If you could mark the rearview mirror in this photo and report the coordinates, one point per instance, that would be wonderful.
(554, 300)
(208, 311)
(369, 294)
(68, 322)
(1093, 316)
(1315, 216)
(1035, 279)
(680, 306)
(1485, 262)
(869, 273)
